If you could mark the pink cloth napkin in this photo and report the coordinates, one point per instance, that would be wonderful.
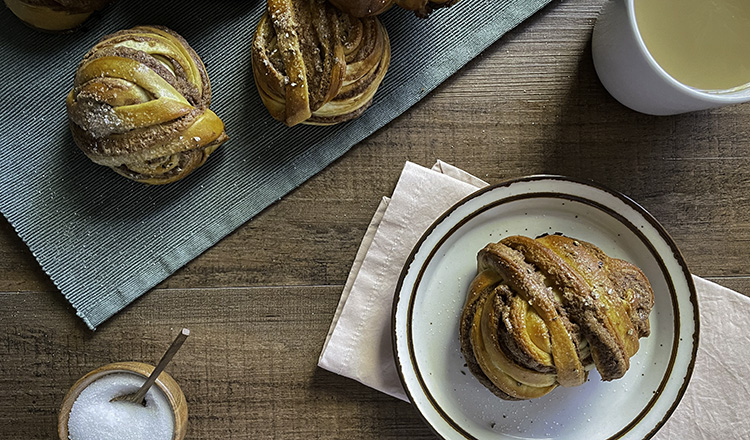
(359, 344)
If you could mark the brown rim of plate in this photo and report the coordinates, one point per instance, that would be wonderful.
(546, 194)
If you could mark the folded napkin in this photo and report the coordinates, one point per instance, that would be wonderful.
(359, 344)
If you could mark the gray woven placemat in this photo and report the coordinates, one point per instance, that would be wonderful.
(105, 240)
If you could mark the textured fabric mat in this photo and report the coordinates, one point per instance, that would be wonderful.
(105, 240)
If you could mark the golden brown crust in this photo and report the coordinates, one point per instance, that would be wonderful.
(483, 283)
(314, 64)
(140, 106)
(541, 312)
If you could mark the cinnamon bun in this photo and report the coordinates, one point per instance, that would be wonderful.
(543, 312)
(140, 105)
(314, 64)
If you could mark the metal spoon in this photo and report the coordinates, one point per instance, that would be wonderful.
(139, 396)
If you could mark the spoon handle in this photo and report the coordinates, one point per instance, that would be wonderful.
(171, 351)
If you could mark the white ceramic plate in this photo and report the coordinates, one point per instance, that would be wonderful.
(432, 290)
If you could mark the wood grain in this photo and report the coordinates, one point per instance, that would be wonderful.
(260, 302)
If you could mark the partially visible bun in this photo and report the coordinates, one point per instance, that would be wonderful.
(55, 15)
(365, 8)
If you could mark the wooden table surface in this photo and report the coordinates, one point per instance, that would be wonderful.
(260, 302)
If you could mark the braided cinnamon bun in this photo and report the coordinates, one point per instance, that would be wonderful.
(314, 64)
(55, 15)
(366, 8)
(543, 312)
(139, 105)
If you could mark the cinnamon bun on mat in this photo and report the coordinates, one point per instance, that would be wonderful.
(314, 64)
(139, 105)
(543, 312)
(55, 15)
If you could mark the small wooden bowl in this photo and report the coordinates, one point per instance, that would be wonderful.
(165, 383)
